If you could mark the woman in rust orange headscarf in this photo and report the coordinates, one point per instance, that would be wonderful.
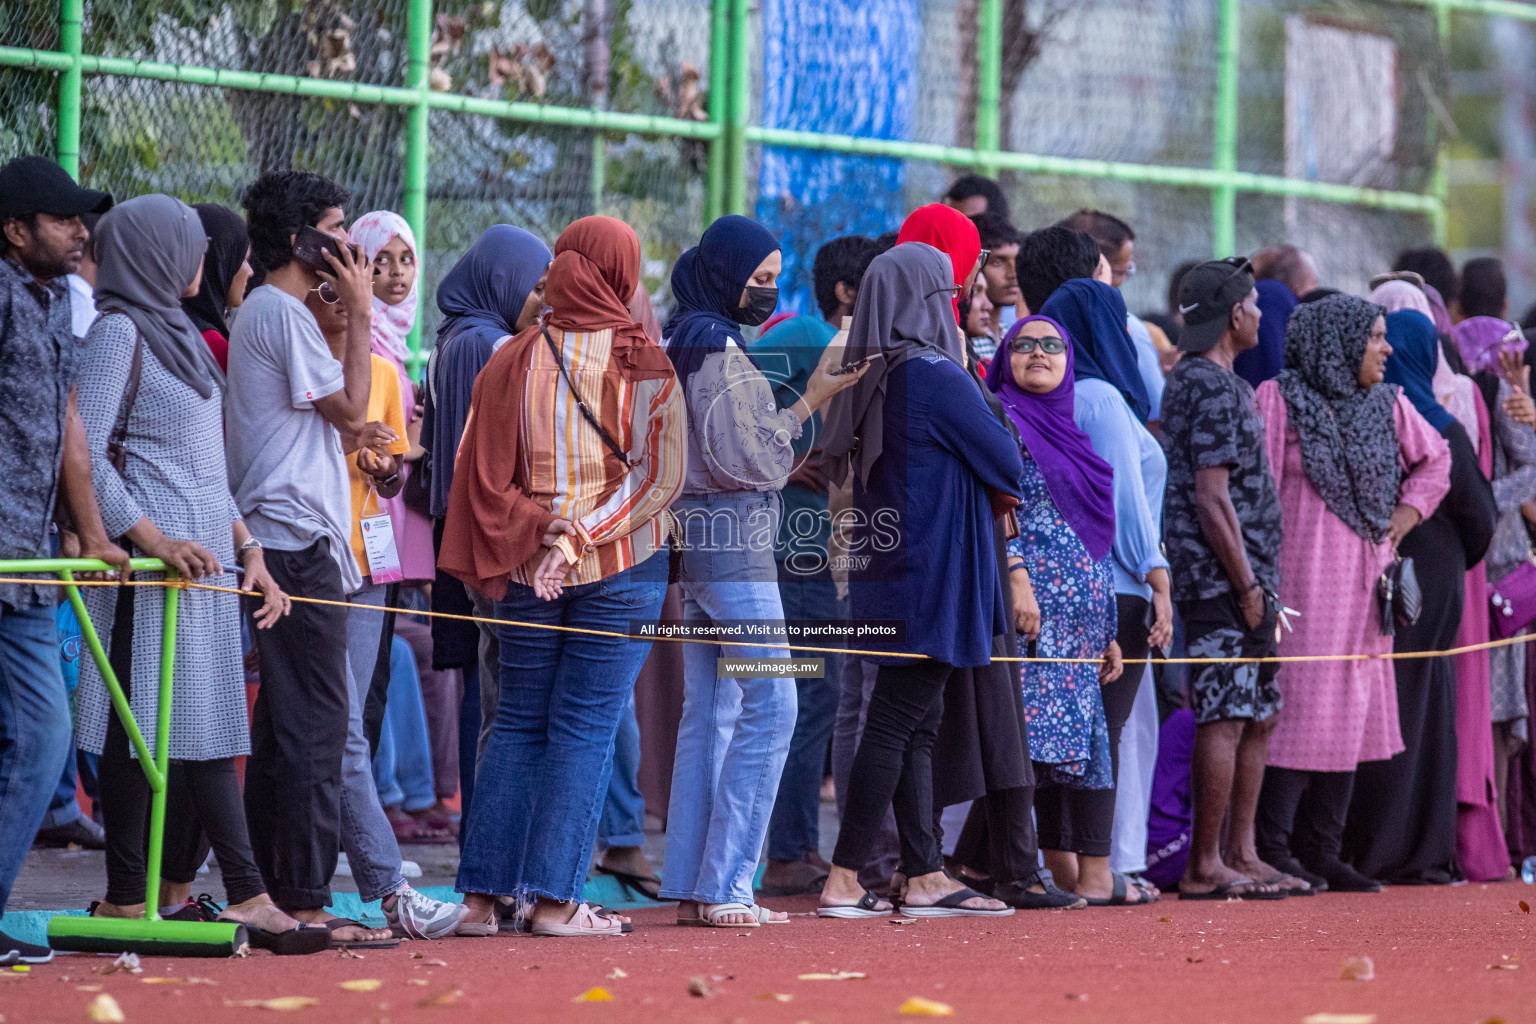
(952, 233)
(573, 450)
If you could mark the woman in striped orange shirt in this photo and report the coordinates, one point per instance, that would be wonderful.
(572, 453)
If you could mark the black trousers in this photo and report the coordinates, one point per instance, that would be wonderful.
(298, 733)
(1301, 816)
(998, 839)
(200, 795)
(894, 768)
(1082, 820)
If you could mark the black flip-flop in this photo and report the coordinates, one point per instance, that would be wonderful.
(1118, 889)
(1226, 892)
(868, 906)
(335, 924)
(950, 906)
(648, 886)
(300, 941)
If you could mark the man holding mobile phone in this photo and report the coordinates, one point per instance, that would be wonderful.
(292, 410)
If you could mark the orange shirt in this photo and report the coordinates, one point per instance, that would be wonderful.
(383, 407)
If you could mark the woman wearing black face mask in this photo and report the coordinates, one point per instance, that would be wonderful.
(735, 733)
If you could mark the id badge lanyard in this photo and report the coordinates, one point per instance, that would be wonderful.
(379, 543)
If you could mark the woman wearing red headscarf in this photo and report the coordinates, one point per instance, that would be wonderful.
(952, 233)
(573, 450)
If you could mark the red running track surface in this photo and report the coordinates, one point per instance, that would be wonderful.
(1434, 951)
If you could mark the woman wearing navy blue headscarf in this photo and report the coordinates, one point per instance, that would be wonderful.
(1110, 405)
(735, 733)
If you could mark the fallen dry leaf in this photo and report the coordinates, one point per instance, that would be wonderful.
(161, 981)
(1340, 1018)
(1079, 997)
(201, 981)
(917, 1006)
(88, 988)
(903, 920)
(1357, 968)
(282, 1003)
(360, 984)
(699, 987)
(619, 972)
(596, 994)
(434, 962)
(777, 997)
(125, 962)
(415, 981)
(104, 1010)
(1165, 920)
(447, 997)
(1194, 959)
(1503, 967)
(1525, 908)
(347, 954)
(839, 976)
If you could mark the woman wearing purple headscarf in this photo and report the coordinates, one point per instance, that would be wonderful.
(1063, 590)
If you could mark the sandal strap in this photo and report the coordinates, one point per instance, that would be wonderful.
(869, 901)
(958, 897)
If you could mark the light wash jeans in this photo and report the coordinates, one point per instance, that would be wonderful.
(735, 733)
(366, 834)
(402, 766)
(35, 731)
(542, 779)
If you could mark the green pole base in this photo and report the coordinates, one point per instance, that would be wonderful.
(149, 938)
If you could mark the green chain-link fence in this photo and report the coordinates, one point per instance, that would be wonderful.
(1213, 125)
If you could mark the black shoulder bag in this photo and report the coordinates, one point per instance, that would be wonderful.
(613, 446)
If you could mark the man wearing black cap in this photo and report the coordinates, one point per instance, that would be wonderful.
(43, 459)
(1221, 525)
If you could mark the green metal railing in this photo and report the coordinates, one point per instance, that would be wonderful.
(729, 131)
(156, 765)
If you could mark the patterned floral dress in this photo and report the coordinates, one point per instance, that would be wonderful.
(1062, 703)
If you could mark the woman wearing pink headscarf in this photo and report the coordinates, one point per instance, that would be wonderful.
(387, 240)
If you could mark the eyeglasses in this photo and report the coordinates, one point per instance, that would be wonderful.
(1050, 344)
(981, 261)
(327, 293)
(1129, 271)
(954, 293)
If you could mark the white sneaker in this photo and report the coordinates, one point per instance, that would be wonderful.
(415, 916)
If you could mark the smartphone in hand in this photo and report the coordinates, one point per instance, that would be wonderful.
(312, 244)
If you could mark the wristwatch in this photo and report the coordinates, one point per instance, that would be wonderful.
(387, 481)
(251, 544)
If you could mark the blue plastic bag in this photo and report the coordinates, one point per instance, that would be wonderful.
(70, 643)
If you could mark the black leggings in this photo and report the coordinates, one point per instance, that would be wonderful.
(1082, 821)
(998, 840)
(894, 768)
(199, 795)
(1301, 817)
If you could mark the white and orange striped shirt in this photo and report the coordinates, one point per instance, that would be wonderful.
(621, 517)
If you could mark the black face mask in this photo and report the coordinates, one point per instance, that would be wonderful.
(761, 302)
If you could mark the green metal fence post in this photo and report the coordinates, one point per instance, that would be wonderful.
(1224, 154)
(1439, 182)
(719, 106)
(162, 755)
(417, 141)
(71, 14)
(740, 74)
(989, 72)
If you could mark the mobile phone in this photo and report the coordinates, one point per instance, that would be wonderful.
(312, 244)
(854, 366)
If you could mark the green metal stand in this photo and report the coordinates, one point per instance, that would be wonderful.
(151, 935)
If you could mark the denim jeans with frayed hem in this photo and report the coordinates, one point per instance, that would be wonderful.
(544, 774)
(734, 735)
(35, 731)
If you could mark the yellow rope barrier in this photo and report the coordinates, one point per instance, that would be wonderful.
(182, 584)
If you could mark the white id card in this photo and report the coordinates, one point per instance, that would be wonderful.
(379, 545)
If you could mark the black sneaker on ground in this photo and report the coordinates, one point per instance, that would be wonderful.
(14, 951)
(1293, 867)
(202, 909)
(1343, 878)
(82, 832)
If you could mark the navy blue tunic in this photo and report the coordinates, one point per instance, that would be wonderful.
(925, 521)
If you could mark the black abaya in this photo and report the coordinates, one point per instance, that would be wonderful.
(1402, 817)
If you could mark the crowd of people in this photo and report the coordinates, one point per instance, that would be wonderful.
(975, 455)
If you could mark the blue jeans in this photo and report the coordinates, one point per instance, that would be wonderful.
(623, 820)
(793, 831)
(366, 834)
(540, 786)
(35, 731)
(402, 766)
(735, 733)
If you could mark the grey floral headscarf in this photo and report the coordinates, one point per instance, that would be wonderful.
(1348, 440)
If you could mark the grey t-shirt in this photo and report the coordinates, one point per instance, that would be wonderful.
(286, 467)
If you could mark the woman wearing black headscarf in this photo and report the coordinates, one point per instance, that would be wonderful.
(931, 464)
(1402, 819)
(1357, 467)
(735, 733)
(226, 271)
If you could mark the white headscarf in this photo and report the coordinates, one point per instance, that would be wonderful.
(391, 325)
(1453, 390)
